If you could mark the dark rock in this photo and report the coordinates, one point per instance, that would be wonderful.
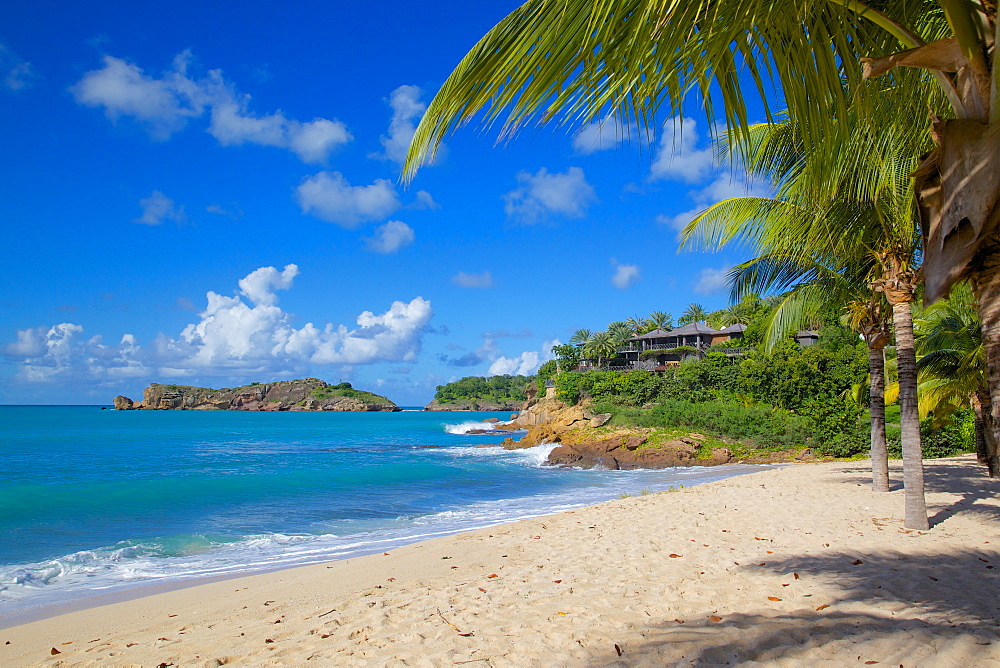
(123, 403)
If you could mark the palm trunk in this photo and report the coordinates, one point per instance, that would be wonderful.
(976, 401)
(915, 508)
(986, 285)
(879, 454)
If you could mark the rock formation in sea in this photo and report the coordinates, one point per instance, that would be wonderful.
(306, 394)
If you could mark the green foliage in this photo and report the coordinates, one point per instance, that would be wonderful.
(941, 438)
(345, 390)
(838, 427)
(679, 350)
(254, 384)
(567, 355)
(476, 389)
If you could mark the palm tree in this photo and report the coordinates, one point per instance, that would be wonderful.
(861, 223)
(620, 332)
(637, 324)
(660, 320)
(581, 336)
(693, 313)
(953, 367)
(600, 345)
(575, 60)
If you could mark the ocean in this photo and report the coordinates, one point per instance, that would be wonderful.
(100, 501)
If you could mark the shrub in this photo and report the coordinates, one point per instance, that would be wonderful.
(940, 438)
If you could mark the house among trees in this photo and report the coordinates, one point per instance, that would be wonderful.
(658, 348)
(806, 338)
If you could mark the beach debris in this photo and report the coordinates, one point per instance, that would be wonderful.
(857, 562)
(868, 663)
(679, 621)
(674, 556)
(618, 649)
(482, 590)
(562, 613)
(171, 615)
(822, 607)
(795, 575)
(325, 635)
(391, 580)
(277, 621)
(268, 640)
(493, 575)
(8, 642)
(557, 581)
(132, 644)
(268, 602)
(167, 639)
(385, 554)
(456, 629)
(714, 618)
(54, 651)
(773, 598)
(446, 557)
(932, 578)
(163, 665)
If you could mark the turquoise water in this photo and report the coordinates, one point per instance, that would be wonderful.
(94, 501)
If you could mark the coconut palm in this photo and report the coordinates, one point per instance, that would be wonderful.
(860, 224)
(573, 61)
(637, 324)
(581, 336)
(953, 367)
(600, 346)
(660, 320)
(693, 313)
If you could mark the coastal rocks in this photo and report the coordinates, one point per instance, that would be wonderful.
(308, 394)
(632, 451)
(123, 403)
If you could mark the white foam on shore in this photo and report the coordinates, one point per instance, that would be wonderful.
(466, 427)
(127, 566)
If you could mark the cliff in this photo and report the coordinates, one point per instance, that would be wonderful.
(307, 394)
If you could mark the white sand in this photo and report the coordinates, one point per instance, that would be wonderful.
(801, 565)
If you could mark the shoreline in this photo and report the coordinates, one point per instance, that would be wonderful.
(57, 602)
(753, 567)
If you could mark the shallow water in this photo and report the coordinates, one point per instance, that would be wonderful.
(96, 501)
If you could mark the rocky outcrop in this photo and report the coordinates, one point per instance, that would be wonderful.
(633, 451)
(307, 394)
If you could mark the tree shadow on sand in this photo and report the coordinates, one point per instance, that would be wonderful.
(926, 604)
(978, 493)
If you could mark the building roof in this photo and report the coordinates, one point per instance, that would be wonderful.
(732, 329)
(805, 334)
(692, 328)
(655, 334)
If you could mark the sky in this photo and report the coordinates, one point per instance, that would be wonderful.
(208, 194)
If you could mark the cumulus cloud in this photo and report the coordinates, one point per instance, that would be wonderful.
(407, 108)
(711, 281)
(724, 186)
(15, 73)
(625, 275)
(677, 156)
(601, 135)
(233, 337)
(541, 194)
(525, 364)
(158, 208)
(164, 104)
(390, 237)
(330, 197)
(425, 201)
(482, 281)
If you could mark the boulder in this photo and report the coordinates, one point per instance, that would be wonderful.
(123, 403)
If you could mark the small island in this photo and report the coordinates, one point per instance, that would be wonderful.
(305, 394)
(477, 393)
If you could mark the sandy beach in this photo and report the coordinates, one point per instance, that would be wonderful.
(800, 565)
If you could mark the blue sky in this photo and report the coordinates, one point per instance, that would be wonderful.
(208, 194)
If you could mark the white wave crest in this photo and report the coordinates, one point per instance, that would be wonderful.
(466, 427)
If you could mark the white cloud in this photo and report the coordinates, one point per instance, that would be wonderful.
(330, 197)
(724, 186)
(464, 280)
(425, 201)
(540, 194)
(165, 104)
(599, 135)
(407, 108)
(232, 339)
(711, 281)
(390, 237)
(677, 157)
(157, 208)
(259, 285)
(15, 73)
(524, 364)
(625, 275)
